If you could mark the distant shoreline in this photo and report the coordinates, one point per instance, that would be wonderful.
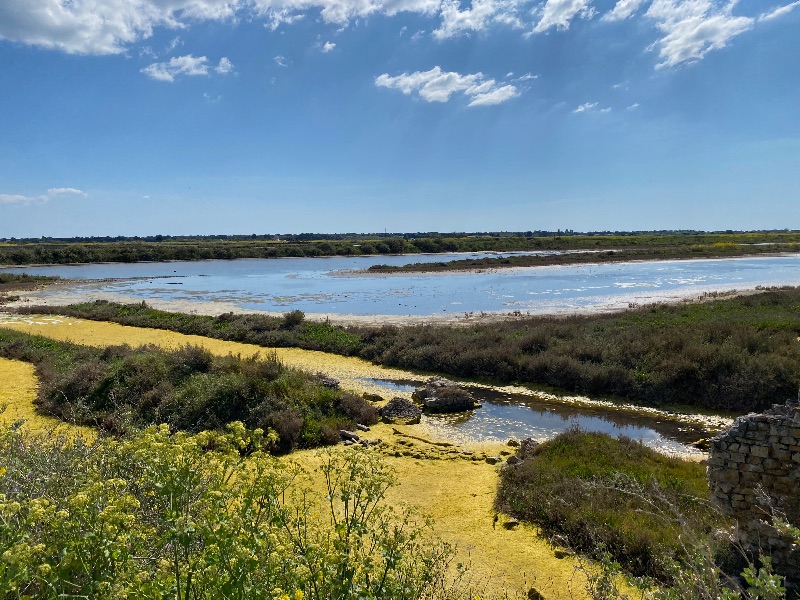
(55, 295)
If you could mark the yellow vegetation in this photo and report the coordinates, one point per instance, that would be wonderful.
(455, 490)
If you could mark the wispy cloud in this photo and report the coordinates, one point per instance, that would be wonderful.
(50, 194)
(225, 66)
(188, 65)
(559, 13)
(437, 85)
(591, 107)
(778, 12)
(455, 21)
(328, 47)
(281, 60)
(693, 28)
(623, 9)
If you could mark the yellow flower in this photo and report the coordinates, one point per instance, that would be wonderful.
(299, 595)
(2, 471)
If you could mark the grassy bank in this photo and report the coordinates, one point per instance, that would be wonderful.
(693, 251)
(120, 389)
(595, 494)
(735, 354)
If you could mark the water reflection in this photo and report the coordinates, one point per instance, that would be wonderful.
(505, 415)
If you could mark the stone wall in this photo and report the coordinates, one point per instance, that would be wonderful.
(754, 473)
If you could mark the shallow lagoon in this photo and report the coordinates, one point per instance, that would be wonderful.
(334, 285)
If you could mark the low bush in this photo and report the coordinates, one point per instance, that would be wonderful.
(171, 515)
(736, 354)
(590, 492)
(122, 388)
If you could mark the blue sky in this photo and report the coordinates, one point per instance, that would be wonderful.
(277, 116)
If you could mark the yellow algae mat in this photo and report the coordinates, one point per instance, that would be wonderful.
(457, 494)
(17, 392)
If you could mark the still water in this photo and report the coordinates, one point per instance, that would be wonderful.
(335, 285)
(510, 415)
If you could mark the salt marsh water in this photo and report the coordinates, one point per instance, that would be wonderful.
(505, 415)
(335, 285)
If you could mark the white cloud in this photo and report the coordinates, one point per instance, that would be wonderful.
(623, 10)
(591, 107)
(437, 86)
(559, 13)
(633, 106)
(188, 65)
(494, 96)
(526, 77)
(328, 47)
(693, 28)
(50, 194)
(475, 18)
(101, 26)
(225, 66)
(455, 20)
(778, 12)
(585, 107)
(281, 60)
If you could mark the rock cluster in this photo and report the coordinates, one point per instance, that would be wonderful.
(443, 396)
(754, 474)
(399, 411)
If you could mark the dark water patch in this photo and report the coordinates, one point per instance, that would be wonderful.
(395, 385)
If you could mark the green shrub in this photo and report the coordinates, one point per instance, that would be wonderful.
(163, 515)
(122, 388)
(591, 491)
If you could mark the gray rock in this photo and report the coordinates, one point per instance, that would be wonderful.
(399, 411)
(493, 460)
(443, 396)
(348, 435)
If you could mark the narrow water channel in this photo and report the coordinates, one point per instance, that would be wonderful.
(507, 415)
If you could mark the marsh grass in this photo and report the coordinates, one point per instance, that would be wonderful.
(598, 494)
(735, 354)
(120, 388)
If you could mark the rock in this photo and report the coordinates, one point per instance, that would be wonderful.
(493, 460)
(512, 460)
(526, 447)
(399, 411)
(372, 397)
(328, 382)
(513, 443)
(361, 427)
(562, 553)
(534, 594)
(511, 524)
(348, 435)
(443, 396)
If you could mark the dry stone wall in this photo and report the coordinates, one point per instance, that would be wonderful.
(754, 474)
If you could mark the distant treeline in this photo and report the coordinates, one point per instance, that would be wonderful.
(737, 354)
(163, 248)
